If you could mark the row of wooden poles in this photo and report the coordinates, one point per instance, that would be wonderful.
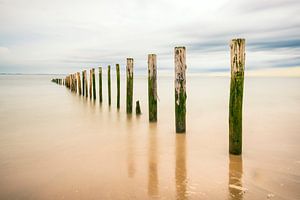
(237, 57)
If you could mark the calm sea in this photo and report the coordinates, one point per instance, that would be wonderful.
(55, 144)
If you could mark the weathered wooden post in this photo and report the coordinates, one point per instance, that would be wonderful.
(100, 84)
(180, 89)
(91, 83)
(118, 85)
(138, 108)
(152, 87)
(86, 84)
(83, 84)
(79, 83)
(109, 85)
(129, 86)
(75, 83)
(94, 83)
(237, 55)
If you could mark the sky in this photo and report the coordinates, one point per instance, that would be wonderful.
(64, 36)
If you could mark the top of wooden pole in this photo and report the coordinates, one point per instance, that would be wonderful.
(237, 54)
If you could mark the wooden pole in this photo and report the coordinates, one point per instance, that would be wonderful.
(91, 84)
(129, 86)
(109, 85)
(138, 108)
(180, 89)
(86, 84)
(100, 84)
(75, 83)
(152, 87)
(79, 83)
(237, 55)
(94, 83)
(83, 84)
(118, 85)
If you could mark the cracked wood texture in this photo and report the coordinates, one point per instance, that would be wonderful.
(152, 87)
(180, 89)
(237, 56)
(129, 85)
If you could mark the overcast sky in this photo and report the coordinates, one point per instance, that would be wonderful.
(63, 36)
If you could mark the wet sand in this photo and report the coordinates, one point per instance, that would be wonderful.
(57, 145)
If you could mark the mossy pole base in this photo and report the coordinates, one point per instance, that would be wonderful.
(83, 84)
(94, 83)
(109, 85)
(180, 89)
(237, 56)
(129, 86)
(152, 87)
(100, 84)
(138, 108)
(79, 83)
(118, 85)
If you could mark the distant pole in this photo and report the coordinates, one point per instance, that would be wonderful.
(75, 83)
(86, 84)
(109, 85)
(91, 84)
(138, 108)
(79, 83)
(100, 84)
(152, 87)
(118, 85)
(129, 86)
(94, 83)
(237, 55)
(180, 89)
(83, 84)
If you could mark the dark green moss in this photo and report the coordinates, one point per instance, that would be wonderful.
(109, 85)
(100, 84)
(94, 85)
(180, 109)
(152, 99)
(138, 108)
(235, 113)
(129, 96)
(118, 85)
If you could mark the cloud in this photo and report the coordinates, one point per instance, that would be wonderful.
(61, 36)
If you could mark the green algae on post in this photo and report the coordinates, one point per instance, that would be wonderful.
(180, 89)
(152, 87)
(138, 108)
(237, 56)
(129, 86)
(94, 83)
(109, 85)
(100, 84)
(118, 85)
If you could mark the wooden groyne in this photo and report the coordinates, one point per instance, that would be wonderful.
(237, 59)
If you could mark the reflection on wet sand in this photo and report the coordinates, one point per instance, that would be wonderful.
(180, 168)
(235, 185)
(152, 161)
(130, 146)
